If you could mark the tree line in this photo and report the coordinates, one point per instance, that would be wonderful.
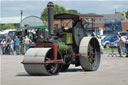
(7, 26)
(57, 9)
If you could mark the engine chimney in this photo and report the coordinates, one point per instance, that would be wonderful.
(50, 7)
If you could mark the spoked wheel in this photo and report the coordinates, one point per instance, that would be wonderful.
(34, 62)
(51, 68)
(91, 59)
(91, 54)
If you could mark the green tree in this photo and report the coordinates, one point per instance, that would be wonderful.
(7, 26)
(127, 14)
(1, 27)
(57, 9)
(44, 14)
(72, 11)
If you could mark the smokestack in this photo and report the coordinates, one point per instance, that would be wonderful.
(50, 7)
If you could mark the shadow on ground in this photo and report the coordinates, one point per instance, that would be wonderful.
(69, 70)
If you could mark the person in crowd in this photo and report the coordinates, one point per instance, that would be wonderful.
(99, 40)
(7, 46)
(118, 47)
(122, 41)
(94, 34)
(22, 45)
(3, 46)
(11, 44)
(26, 43)
(40, 38)
(126, 45)
(17, 45)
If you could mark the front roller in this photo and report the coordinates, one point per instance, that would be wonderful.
(90, 49)
(35, 62)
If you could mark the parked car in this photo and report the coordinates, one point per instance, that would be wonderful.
(109, 40)
(12, 34)
(124, 34)
(2, 37)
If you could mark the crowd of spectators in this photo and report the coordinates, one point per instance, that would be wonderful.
(15, 45)
(18, 46)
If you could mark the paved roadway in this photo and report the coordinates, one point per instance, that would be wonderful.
(112, 71)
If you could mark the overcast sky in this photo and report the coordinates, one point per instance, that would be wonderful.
(11, 8)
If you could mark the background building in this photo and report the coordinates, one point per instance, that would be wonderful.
(11, 20)
(109, 24)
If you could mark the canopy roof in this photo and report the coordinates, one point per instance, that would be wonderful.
(41, 27)
(77, 16)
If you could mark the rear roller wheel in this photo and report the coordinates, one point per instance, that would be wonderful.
(37, 58)
(90, 49)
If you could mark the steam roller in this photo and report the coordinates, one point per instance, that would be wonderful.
(62, 47)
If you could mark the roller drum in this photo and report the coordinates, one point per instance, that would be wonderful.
(34, 62)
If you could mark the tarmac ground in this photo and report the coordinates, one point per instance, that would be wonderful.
(112, 71)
